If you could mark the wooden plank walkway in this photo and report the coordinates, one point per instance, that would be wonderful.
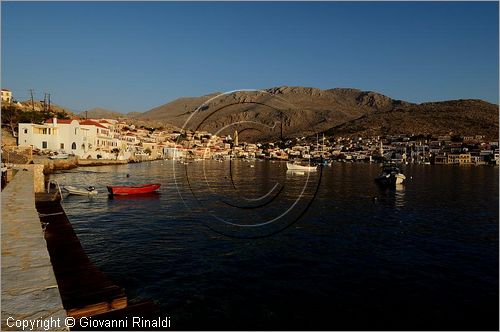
(85, 290)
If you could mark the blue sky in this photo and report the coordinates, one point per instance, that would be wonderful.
(132, 56)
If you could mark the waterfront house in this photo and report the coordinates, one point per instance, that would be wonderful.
(55, 134)
(453, 158)
(464, 158)
(441, 159)
(99, 136)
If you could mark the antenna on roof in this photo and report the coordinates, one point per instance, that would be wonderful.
(32, 101)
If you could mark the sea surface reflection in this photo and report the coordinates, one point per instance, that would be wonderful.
(348, 255)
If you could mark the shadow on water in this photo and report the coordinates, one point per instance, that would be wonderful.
(136, 198)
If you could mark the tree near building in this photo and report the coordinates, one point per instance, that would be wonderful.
(116, 152)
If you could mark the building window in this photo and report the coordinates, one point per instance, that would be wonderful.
(44, 145)
(62, 146)
(73, 146)
(76, 130)
(25, 131)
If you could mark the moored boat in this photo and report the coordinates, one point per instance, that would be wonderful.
(60, 155)
(133, 190)
(298, 167)
(390, 176)
(89, 191)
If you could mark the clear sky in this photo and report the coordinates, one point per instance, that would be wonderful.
(132, 56)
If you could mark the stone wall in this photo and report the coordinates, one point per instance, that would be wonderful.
(37, 175)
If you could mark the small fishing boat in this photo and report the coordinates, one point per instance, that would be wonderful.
(60, 155)
(298, 167)
(390, 176)
(133, 190)
(88, 191)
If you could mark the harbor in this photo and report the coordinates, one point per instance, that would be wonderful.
(250, 166)
(184, 264)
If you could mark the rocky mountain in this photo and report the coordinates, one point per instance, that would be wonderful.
(258, 115)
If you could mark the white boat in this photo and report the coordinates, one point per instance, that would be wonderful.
(298, 167)
(89, 191)
(60, 155)
(390, 176)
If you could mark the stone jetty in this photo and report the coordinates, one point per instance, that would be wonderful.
(29, 287)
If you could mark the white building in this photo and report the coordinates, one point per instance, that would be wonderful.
(6, 96)
(100, 138)
(55, 134)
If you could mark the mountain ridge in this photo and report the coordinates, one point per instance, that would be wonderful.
(307, 110)
(345, 111)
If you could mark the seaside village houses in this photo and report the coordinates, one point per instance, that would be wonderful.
(112, 139)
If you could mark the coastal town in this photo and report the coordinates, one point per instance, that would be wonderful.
(249, 166)
(95, 141)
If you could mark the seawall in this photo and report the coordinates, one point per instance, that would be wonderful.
(29, 287)
(51, 165)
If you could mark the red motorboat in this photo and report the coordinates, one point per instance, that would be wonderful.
(133, 190)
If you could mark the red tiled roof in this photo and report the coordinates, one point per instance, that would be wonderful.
(92, 123)
(5, 90)
(104, 121)
(66, 121)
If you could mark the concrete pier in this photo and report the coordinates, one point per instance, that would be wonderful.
(29, 287)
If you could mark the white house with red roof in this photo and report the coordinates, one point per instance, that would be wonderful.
(100, 136)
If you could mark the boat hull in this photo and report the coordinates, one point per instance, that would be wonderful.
(59, 156)
(300, 168)
(79, 191)
(133, 190)
(390, 180)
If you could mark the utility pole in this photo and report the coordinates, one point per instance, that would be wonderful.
(49, 101)
(45, 101)
(32, 101)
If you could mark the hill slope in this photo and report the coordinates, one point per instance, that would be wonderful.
(101, 113)
(306, 111)
(464, 117)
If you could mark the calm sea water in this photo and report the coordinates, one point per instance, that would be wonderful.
(249, 246)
